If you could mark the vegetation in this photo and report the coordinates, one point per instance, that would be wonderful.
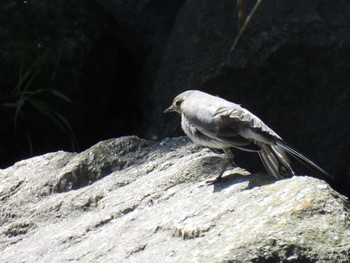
(29, 98)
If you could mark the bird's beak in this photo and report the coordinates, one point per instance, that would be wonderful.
(170, 109)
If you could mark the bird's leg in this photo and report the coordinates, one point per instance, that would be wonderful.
(229, 161)
(229, 157)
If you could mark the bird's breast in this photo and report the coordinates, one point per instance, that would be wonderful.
(200, 114)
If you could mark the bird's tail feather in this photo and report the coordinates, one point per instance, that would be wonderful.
(275, 160)
(318, 171)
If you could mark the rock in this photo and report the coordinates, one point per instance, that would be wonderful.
(132, 200)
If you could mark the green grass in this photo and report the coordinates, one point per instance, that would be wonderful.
(25, 94)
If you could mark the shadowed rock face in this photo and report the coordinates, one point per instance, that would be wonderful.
(132, 200)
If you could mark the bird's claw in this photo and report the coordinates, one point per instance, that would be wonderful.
(216, 180)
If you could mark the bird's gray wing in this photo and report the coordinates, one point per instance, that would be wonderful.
(230, 124)
(229, 135)
(242, 120)
(203, 125)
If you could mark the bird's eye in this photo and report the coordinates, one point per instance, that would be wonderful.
(178, 102)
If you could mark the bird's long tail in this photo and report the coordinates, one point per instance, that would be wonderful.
(305, 161)
(275, 160)
(278, 164)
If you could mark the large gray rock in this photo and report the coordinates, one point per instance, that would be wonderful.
(131, 200)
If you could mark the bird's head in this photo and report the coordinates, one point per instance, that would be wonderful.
(177, 104)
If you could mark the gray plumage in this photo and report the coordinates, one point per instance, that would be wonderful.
(217, 123)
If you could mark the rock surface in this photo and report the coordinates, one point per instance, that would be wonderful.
(131, 200)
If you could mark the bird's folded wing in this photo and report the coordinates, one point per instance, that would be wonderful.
(238, 141)
(232, 117)
(225, 135)
(228, 131)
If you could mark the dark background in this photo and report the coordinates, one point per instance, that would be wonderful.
(119, 64)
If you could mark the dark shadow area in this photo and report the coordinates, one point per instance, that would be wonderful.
(254, 180)
(67, 81)
(96, 52)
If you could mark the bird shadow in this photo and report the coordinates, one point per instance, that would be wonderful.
(254, 180)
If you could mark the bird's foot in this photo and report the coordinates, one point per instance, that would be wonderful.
(232, 164)
(216, 180)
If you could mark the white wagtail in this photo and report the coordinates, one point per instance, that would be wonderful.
(213, 122)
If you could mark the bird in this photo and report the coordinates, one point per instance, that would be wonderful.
(216, 123)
